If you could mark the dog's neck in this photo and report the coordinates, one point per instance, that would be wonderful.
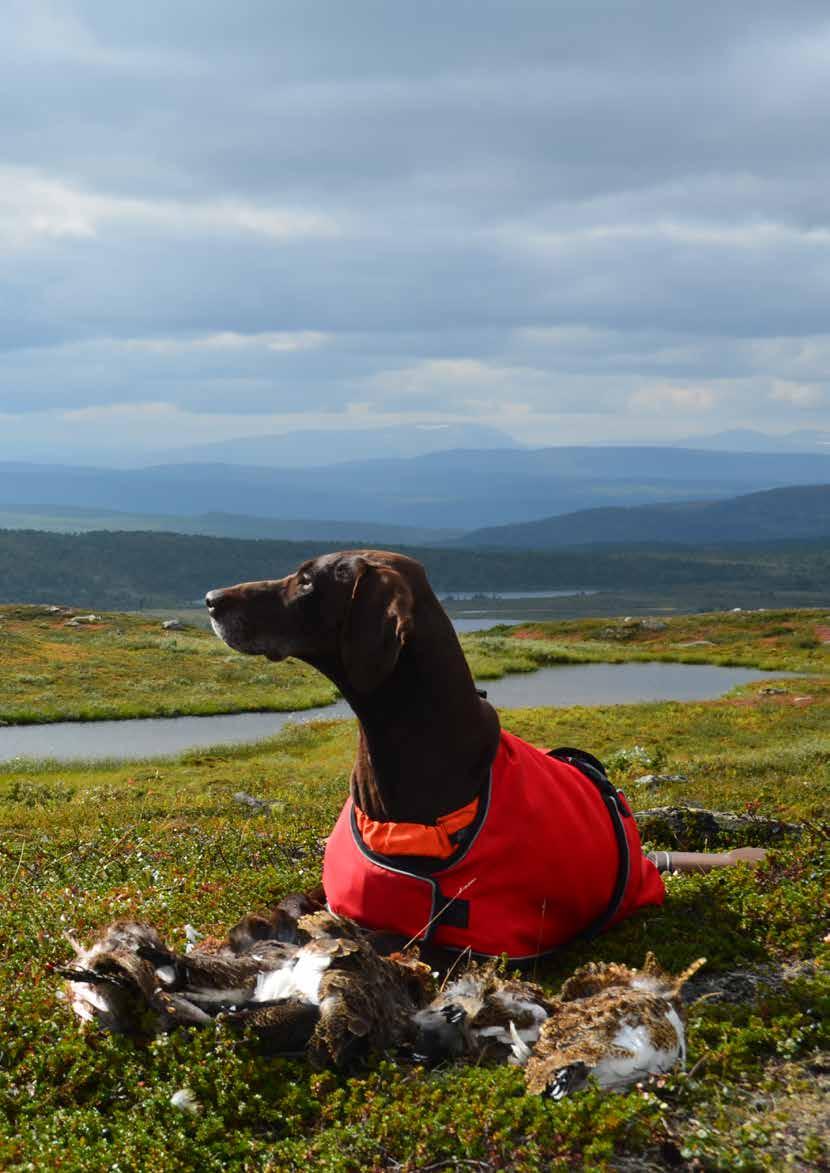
(427, 739)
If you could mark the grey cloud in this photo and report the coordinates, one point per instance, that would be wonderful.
(643, 181)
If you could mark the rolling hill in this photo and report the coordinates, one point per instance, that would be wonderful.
(68, 519)
(795, 513)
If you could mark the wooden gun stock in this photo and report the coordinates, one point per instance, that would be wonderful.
(699, 861)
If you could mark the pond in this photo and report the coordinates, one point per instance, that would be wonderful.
(568, 684)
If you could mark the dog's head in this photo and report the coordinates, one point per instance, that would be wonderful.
(354, 609)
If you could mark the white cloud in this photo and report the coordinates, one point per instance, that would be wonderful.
(797, 394)
(663, 397)
(35, 206)
(120, 413)
(454, 375)
(230, 340)
(752, 235)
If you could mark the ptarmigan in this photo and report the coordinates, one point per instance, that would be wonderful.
(365, 1002)
(472, 1017)
(617, 1024)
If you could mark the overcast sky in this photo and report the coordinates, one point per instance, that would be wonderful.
(574, 221)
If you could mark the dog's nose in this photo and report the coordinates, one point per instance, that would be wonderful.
(213, 600)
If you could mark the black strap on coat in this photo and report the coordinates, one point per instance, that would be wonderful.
(594, 771)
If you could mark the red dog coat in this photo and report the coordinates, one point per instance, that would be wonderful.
(543, 861)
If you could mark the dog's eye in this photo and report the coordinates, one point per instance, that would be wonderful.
(304, 584)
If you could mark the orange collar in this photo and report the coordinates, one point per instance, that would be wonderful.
(429, 839)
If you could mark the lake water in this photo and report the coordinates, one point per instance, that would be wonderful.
(485, 596)
(481, 620)
(570, 684)
(485, 614)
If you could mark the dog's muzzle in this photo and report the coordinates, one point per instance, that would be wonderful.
(229, 621)
(217, 602)
(226, 620)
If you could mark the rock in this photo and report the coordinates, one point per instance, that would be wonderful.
(651, 781)
(628, 629)
(768, 690)
(744, 984)
(81, 619)
(173, 625)
(647, 623)
(256, 805)
(687, 828)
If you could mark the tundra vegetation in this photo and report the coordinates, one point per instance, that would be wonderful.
(111, 665)
(165, 841)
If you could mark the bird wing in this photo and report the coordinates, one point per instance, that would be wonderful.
(284, 1027)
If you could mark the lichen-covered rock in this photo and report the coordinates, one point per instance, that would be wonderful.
(688, 828)
(652, 781)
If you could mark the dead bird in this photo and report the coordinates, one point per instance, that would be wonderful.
(472, 1016)
(365, 1001)
(617, 1024)
(333, 994)
(130, 981)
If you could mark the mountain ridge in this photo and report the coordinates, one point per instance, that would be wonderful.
(54, 518)
(461, 489)
(790, 513)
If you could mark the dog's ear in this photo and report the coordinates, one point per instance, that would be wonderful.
(377, 625)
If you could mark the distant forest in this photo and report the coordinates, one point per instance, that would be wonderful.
(132, 571)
